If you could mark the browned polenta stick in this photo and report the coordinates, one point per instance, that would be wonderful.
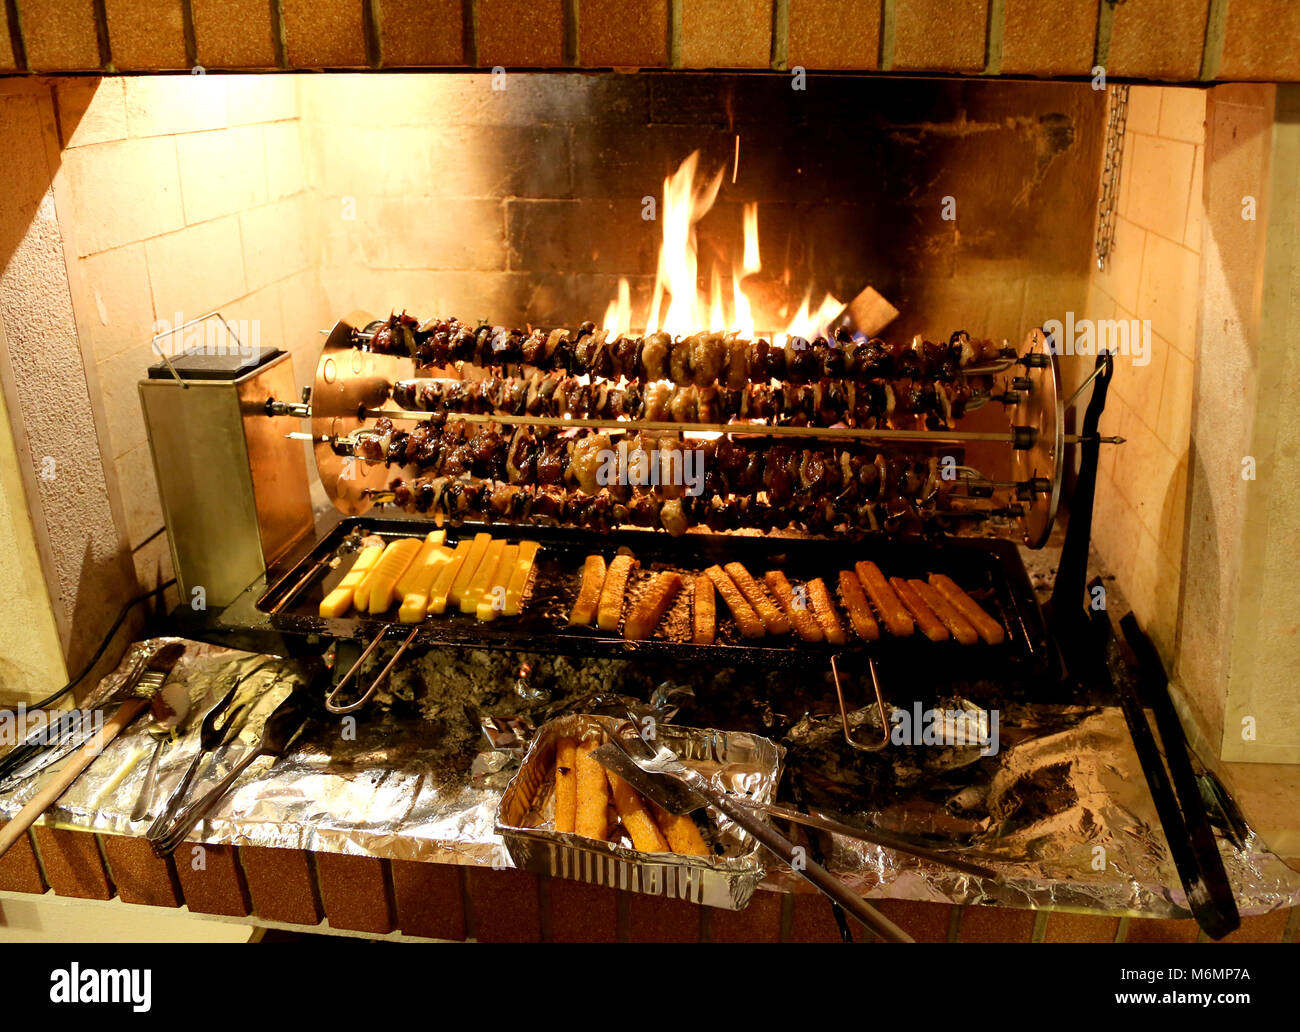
(566, 784)
(801, 617)
(680, 831)
(593, 579)
(611, 595)
(636, 817)
(894, 614)
(860, 615)
(768, 611)
(746, 619)
(824, 609)
(647, 613)
(704, 621)
(931, 626)
(591, 820)
(958, 625)
(989, 629)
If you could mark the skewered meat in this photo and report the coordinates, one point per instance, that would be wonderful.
(701, 358)
(824, 402)
(461, 469)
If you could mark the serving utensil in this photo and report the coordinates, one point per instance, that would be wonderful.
(169, 710)
(650, 767)
(134, 695)
(214, 733)
(37, 751)
(282, 726)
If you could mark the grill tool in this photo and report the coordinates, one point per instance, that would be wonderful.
(134, 696)
(648, 769)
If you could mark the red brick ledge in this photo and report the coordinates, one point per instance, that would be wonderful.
(445, 901)
(1169, 40)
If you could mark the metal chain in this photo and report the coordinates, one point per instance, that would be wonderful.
(1111, 160)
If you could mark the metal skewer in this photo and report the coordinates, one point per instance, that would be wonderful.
(1023, 437)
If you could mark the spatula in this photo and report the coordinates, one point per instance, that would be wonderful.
(648, 768)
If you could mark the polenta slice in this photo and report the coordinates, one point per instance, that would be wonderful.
(483, 576)
(432, 542)
(382, 582)
(493, 600)
(523, 569)
(446, 577)
(339, 601)
(415, 602)
(473, 560)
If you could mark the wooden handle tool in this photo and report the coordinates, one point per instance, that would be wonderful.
(77, 762)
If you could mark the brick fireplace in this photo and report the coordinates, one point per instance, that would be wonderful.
(490, 158)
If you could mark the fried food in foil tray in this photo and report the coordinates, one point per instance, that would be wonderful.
(736, 762)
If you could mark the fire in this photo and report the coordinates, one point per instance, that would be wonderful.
(752, 261)
(677, 279)
(808, 323)
(618, 316)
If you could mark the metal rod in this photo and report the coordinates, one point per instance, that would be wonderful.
(335, 707)
(1084, 386)
(844, 710)
(749, 429)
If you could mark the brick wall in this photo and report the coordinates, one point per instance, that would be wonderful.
(1158, 39)
(182, 195)
(1153, 274)
(364, 895)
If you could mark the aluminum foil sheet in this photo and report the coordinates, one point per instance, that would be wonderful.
(733, 761)
(1061, 808)
(375, 786)
(1062, 812)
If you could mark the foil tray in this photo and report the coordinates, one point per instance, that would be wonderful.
(734, 761)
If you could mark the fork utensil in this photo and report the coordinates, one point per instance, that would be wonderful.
(281, 728)
(214, 733)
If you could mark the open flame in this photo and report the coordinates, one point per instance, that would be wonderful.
(618, 316)
(677, 279)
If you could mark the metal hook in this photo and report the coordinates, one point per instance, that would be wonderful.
(844, 710)
(333, 707)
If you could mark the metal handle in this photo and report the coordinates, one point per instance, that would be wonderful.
(166, 843)
(172, 805)
(334, 707)
(785, 850)
(844, 710)
(145, 800)
(875, 836)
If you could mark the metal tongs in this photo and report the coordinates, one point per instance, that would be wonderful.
(282, 726)
(213, 735)
(657, 773)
